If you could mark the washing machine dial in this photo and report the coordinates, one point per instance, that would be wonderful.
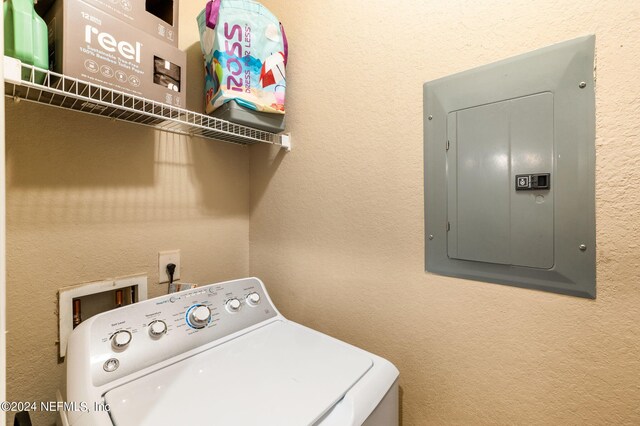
(233, 305)
(157, 328)
(199, 316)
(120, 339)
(253, 299)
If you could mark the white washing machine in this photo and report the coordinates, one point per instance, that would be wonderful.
(223, 355)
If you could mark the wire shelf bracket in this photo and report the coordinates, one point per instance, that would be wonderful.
(23, 81)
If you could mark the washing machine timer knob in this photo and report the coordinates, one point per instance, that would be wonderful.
(233, 305)
(120, 339)
(199, 316)
(253, 299)
(157, 328)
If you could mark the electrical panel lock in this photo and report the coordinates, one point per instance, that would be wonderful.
(533, 182)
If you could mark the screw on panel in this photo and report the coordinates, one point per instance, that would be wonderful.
(431, 117)
(431, 237)
(582, 247)
(582, 85)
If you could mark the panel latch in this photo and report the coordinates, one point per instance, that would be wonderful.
(533, 182)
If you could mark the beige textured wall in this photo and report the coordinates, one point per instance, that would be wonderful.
(3, 235)
(337, 225)
(90, 199)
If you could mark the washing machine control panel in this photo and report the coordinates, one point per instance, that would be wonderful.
(141, 335)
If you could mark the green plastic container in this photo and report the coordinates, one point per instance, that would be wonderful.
(25, 36)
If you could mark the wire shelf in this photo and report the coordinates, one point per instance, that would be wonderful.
(23, 81)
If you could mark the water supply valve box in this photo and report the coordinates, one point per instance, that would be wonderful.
(89, 44)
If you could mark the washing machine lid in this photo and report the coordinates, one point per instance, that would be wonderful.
(280, 374)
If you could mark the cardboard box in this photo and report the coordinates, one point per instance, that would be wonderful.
(156, 17)
(92, 45)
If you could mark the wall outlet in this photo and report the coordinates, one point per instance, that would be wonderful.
(165, 258)
(96, 297)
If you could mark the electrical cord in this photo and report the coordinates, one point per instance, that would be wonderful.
(171, 269)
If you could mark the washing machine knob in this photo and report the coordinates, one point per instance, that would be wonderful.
(253, 299)
(233, 305)
(120, 339)
(157, 328)
(200, 316)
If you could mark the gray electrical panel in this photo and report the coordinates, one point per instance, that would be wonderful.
(510, 171)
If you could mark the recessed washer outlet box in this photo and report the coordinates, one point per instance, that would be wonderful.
(509, 155)
(96, 297)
